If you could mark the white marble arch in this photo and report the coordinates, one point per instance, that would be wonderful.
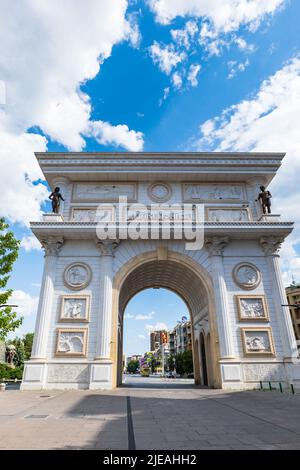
(205, 278)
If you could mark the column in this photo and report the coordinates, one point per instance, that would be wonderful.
(107, 248)
(52, 246)
(215, 246)
(271, 247)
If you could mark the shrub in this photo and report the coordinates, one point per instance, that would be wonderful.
(7, 372)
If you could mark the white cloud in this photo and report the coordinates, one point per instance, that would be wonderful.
(221, 15)
(165, 96)
(183, 36)
(220, 20)
(27, 304)
(267, 122)
(30, 243)
(156, 327)
(177, 80)
(128, 315)
(106, 134)
(193, 73)
(165, 56)
(236, 67)
(148, 316)
(49, 49)
(142, 336)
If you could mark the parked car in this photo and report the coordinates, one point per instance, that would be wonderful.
(169, 375)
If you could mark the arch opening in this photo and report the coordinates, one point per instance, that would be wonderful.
(186, 282)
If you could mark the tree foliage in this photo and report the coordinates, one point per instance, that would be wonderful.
(9, 248)
(133, 366)
(184, 362)
(23, 348)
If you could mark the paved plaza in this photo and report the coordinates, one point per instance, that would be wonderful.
(149, 413)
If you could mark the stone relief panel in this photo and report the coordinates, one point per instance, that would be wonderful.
(246, 275)
(71, 342)
(104, 191)
(227, 215)
(257, 341)
(77, 276)
(252, 307)
(209, 192)
(61, 373)
(75, 308)
(257, 372)
(159, 192)
(99, 214)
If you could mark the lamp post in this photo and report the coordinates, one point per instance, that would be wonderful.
(8, 305)
(297, 306)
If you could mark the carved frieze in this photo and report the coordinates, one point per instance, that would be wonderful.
(103, 192)
(227, 215)
(68, 373)
(71, 342)
(266, 372)
(257, 341)
(213, 192)
(75, 308)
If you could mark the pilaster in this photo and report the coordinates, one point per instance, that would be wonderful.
(271, 247)
(215, 246)
(52, 246)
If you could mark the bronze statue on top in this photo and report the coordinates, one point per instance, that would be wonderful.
(265, 198)
(55, 197)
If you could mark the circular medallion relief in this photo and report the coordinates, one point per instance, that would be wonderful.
(246, 275)
(159, 192)
(77, 275)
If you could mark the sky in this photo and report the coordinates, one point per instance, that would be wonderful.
(153, 75)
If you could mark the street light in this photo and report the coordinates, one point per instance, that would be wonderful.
(297, 306)
(8, 305)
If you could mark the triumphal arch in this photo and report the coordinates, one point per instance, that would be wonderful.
(189, 222)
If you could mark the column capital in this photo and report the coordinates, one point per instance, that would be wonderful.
(271, 245)
(52, 245)
(107, 247)
(58, 180)
(257, 181)
(216, 245)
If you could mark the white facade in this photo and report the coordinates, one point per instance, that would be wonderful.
(232, 285)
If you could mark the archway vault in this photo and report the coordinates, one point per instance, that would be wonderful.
(176, 272)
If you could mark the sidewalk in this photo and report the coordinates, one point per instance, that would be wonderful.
(150, 415)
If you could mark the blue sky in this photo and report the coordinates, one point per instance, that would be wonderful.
(156, 75)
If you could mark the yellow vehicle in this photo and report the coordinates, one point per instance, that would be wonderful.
(145, 371)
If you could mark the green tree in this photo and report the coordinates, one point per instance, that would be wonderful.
(20, 351)
(151, 361)
(133, 366)
(28, 341)
(187, 357)
(179, 364)
(9, 248)
(171, 362)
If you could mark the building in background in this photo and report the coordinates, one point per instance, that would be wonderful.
(293, 296)
(157, 338)
(180, 337)
(134, 357)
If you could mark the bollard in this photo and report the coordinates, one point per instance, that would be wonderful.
(270, 386)
(280, 386)
(261, 385)
(2, 387)
(293, 390)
